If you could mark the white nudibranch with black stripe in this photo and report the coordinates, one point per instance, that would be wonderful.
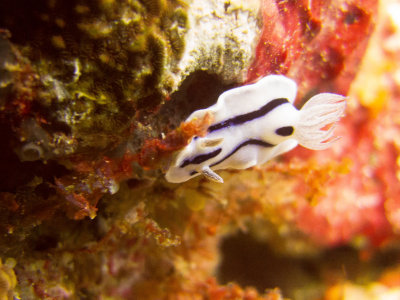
(255, 123)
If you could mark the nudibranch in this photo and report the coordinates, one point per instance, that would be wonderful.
(254, 123)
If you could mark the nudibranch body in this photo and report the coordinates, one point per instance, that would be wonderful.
(255, 123)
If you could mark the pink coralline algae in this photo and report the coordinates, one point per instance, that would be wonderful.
(317, 43)
(321, 45)
(363, 202)
(354, 203)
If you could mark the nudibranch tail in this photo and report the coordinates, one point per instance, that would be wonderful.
(317, 120)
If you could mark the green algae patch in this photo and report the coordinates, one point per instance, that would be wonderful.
(98, 60)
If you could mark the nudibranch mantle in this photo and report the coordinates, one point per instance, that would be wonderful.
(254, 123)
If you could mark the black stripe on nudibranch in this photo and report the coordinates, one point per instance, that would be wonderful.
(284, 131)
(200, 158)
(240, 119)
(246, 143)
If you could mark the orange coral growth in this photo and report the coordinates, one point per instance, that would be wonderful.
(391, 277)
(83, 203)
(312, 176)
(365, 201)
(352, 203)
(162, 236)
(117, 169)
(154, 150)
(90, 180)
(211, 290)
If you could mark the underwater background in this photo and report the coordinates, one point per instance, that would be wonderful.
(93, 99)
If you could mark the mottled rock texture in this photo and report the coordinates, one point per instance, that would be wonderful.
(92, 99)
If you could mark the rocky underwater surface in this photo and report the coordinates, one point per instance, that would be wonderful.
(93, 99)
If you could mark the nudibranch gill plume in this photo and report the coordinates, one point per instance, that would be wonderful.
(254, 123)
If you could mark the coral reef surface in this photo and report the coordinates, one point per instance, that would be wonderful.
(93, 95)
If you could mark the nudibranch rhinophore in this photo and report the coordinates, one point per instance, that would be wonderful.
(254, 123)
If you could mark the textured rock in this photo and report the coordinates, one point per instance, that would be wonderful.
(92, 96)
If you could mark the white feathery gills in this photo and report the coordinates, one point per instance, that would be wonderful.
(254, 123)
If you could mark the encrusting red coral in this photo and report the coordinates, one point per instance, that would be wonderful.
(362, 202)
(211, 290)
(154, 150)
(319, 44)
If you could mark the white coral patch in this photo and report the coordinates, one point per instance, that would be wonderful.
(221, 38)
